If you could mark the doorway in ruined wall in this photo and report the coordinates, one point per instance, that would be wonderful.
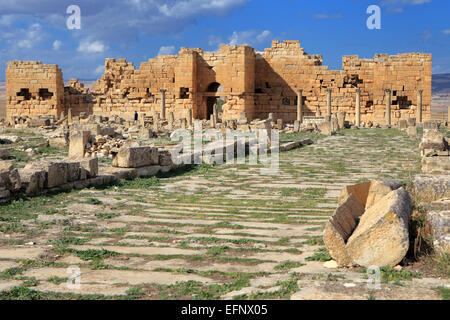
(213, 95)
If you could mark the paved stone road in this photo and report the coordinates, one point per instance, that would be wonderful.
(213, 232)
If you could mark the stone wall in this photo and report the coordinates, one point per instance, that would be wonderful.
(33, 89)
(258, 83)
(285, 67)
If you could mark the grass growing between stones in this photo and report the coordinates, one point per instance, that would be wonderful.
(212, 220)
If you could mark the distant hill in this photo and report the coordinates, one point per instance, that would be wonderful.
(441, 83)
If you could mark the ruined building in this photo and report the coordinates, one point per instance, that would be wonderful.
(258, 83)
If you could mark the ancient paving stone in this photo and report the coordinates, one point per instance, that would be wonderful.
(18, 253)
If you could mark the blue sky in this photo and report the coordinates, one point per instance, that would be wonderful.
(140, 29)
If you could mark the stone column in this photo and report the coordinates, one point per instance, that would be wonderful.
(190, 118)
(69, 116)
(215, 113)
(358, 108)
(329, 90)
(171, 120)
(163, 104)
(419, 106)
(388, 106)
(300, 105)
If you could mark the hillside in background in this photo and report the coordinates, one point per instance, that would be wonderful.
(441, 84)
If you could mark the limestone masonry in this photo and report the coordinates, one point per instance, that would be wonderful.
(282, 80)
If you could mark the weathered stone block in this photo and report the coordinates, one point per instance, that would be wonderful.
(438, 226)
(78, 144)
(325, 128)
(56, 173)
(9, 177)
(33, 180)
(73, 171)
(379, 188)
(436, 165)
(339, 228)
(382, 236)
(360, 191)
(91, 166)
(134, 157)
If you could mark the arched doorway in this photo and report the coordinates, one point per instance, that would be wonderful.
(212, 97)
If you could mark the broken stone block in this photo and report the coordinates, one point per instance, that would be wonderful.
(438, 226)
(107, 131)
(411, 131)
(433, 142)
(379, 188)
(33, 179)
(296, 126)
(436, 165)
(78, 144)
(334, 122)
(280, 124)
(325, 128)
(4, 154)
(91, 166)
(9, 177)
(9, 139)
(134, 157)
(73, 171)
(411, 122)
(306, 142)
(360, 191)
(431, 187)
(341, 119)
(402, 124)
(339, 228)
(430, 125)
(5, 195)
(381, 237)
(165, 158)
(56, 173)
(289, 146)
(35, 123)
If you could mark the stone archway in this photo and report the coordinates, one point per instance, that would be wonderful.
(213, 93)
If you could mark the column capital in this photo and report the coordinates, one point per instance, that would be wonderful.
(419, 91)
(358, 90)
(329, 90)
(387, 90)
(163, 90)
(300, 91)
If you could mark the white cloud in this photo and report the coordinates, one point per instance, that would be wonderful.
(405, 2)
(57, 45)
(249, 37)
(123, 20)
(396, 6)
(446, 31)
(25, 44)
(328, 16)
(23, 38)
(87, 46)
(164, 51)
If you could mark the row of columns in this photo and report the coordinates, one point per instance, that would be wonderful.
(358, 106)
(388, 99)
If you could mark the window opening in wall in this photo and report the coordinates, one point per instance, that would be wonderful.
(184, 93)
(24, 92)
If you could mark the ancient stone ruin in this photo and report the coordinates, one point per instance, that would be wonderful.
(283, 81)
